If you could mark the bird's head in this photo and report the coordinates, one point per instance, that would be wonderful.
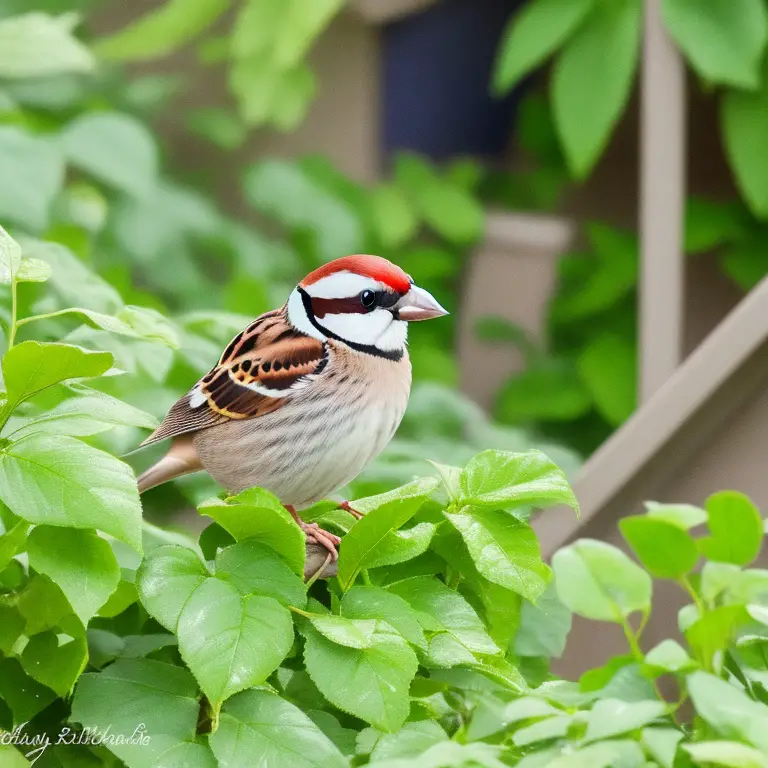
(365, 302)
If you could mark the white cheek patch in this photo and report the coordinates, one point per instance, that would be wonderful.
(394, 338)
(359, 328)
(342, 285)
(298, 317)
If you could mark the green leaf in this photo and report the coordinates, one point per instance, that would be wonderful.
(661, 744)
(610, 717)
(59, 480)
(588, 97)
(505, 480)
(532, 34)
(186, 755)
(80, 562)
(736, 528)
(552, 728)
(729, 711)
(53, 663)
(393, 219)
(724, 40)
(258, 514)
(664, 549)
(709, 224)
(44, 606)
(114, 148)
(88, 413)
(726, 753)
(684, 516)
(606, 754)
(37, 168)
(744, 119)
(161, 31)
(166, 579)
(608, 367)
(24, 695)
(139, 697)
(12, 542)
(10, 258)
(713, 632)
(231, 642)
(598, 581)
(259, 728)
(32, 366)
(219, 126)
(744, 262)
(544, 627)
(12, 758)
(401, 546)
(410, 741)
(352, 633)
(255, 569)
(40, 45)
(11, 627)
(370, 683)
(378, 603)
(669, 656)
(33, 271)
(504, 549)
(443, 610)
(383, 515)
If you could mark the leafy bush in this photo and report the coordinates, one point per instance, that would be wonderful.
(430, 641)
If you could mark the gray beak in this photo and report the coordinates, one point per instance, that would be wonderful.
(418, 304)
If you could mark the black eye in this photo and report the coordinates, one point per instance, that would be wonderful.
(368, 299)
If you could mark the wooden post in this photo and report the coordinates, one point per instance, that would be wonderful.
(662, 200)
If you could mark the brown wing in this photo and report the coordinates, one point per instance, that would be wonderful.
(260, 369)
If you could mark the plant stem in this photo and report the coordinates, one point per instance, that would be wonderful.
(45, 316)
(688, 587)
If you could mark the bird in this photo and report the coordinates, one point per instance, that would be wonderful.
(306, 396)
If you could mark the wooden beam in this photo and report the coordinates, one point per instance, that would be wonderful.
(662, 200)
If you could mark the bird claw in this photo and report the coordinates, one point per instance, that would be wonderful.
(316, 535)
(347, 508)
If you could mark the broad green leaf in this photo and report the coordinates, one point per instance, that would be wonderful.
(161, 31)
(59, 480)
(231, 642)
(730, 754)
(125, 595)
(377, 603)
(544, 627)
(166, 579)
(744, 119)
(10, 258)
(608, 368)
(303, 21)
(24, 695)
(610, 717)
(54, 663)
(253, 568)
(504, 549)
(139, 697)
(588, 97)
(736, 528)
(114, 148)
(37, 168)
(219, 125)
(188, 755)
(669, 656)
(410, 741)
(11, 627)
(257, 727)
(710, 224)
(39, 45)
(370, 683)
(723, 40)
(383, 515)
(12, 758)
(393, 219)
(505, 480)
(441, 609)
(80, 562)
(33, 271)
(12, 542)
(401, 546)
(666, 550)
(537, 30)
(33, 366)
(344, 738)
(44, 606)
(661, 744)
(352, 633)
(446, 651)
(684, 516)
(551, 728)
(527, 708)
(713, 632)
(716, 578)
(88, 413)
(729, 711)
(605, 754)
(598, 581)
(258, 514)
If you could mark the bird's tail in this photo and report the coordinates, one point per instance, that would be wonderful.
(180, 460)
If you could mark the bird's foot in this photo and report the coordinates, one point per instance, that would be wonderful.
(317, 535)
(347, 508)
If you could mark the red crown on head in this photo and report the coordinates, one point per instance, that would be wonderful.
(377, 267)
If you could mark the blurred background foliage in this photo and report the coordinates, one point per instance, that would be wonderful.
(84, 164)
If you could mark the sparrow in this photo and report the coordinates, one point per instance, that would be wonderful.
(307, 395)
